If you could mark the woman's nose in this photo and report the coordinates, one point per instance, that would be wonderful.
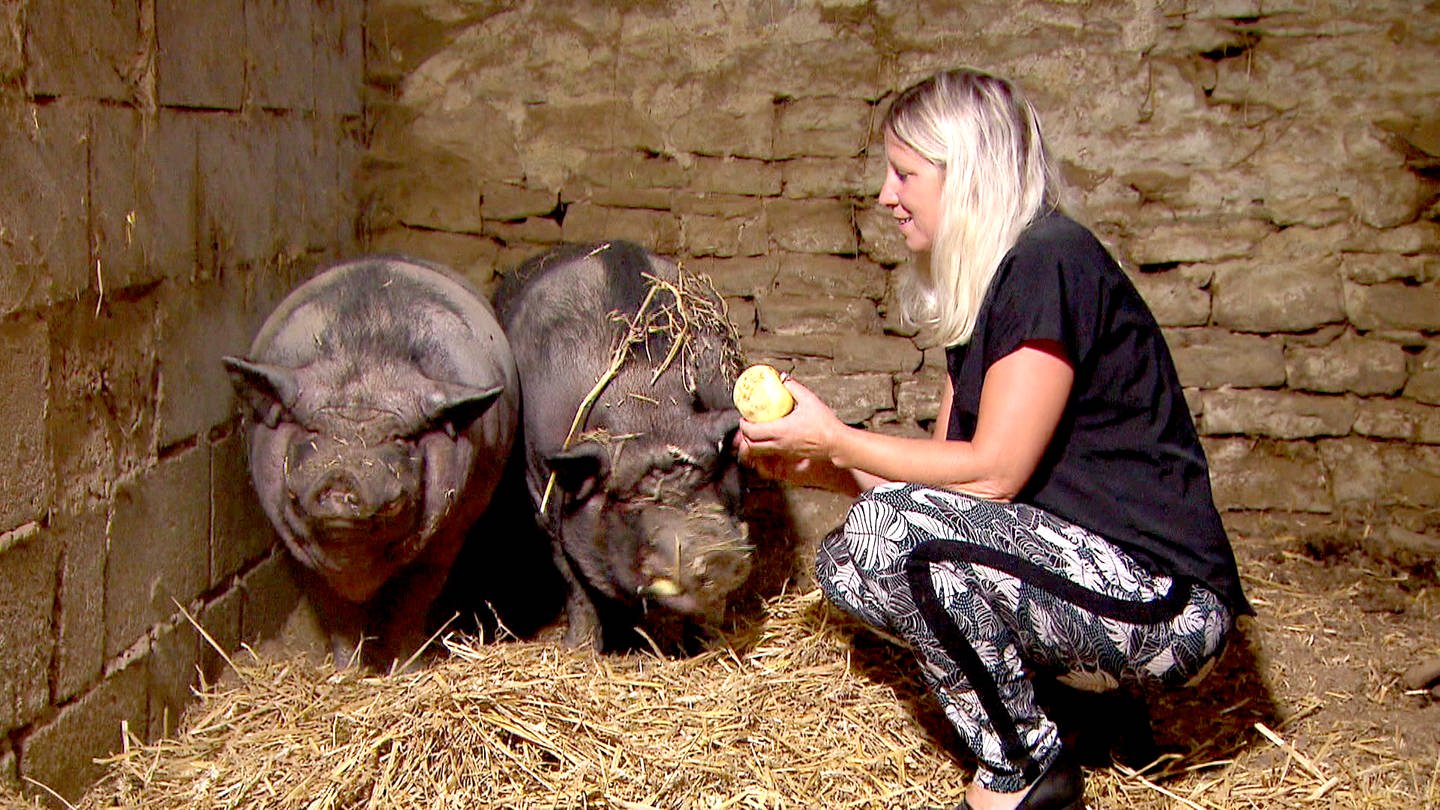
(888, 197)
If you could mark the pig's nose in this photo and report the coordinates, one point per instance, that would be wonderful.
(337, 495)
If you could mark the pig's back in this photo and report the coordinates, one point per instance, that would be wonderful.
(563, 312)
(389, 306)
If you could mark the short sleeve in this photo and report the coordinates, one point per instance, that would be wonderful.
(1030, 302)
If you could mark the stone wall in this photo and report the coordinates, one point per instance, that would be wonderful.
(171, 168)
(1265, 170)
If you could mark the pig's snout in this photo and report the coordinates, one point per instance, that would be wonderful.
(694, 566)
(338, 495)
(343, 494)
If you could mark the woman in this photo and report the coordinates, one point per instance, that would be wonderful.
(1060, 521)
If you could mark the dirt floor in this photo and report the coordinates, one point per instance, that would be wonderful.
(1307, 708)
(805, 709)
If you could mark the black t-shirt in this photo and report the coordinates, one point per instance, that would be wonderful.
(1125, 461)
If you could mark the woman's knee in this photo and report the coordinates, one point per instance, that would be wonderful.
(875, 538)
(1197, 639)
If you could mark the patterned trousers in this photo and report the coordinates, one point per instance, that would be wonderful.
(987, 594)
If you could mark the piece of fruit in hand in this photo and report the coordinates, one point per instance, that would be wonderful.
(760, 396)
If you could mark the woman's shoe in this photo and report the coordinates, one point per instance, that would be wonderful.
(1061, 787)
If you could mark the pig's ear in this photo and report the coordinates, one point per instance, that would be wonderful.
(578, 470)
(452, 407)
(267, 391)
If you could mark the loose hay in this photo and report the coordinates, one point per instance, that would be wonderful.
(798, 710)
(777, 719)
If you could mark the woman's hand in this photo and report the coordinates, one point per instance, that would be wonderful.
(796, 447)
(1021, 403)
(804, 433)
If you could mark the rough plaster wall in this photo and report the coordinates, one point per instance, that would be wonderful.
(171, 170)
(1266, 171)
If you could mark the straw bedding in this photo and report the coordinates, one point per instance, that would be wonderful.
(773, 719)
(797, 707)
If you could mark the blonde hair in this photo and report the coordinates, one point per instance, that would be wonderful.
(986, 137)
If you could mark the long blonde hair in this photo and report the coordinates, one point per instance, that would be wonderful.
(986, 137)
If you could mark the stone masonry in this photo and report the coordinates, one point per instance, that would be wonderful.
(1265, 171)
(171, 169)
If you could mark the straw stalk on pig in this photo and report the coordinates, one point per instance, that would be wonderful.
(626, 368)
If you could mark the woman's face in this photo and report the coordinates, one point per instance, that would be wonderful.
(912, 193)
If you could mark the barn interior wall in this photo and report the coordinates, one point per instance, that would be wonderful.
(170, 170)
(1267, 173)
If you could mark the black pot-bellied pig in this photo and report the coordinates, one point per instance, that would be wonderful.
(626, 366)
(381, 406)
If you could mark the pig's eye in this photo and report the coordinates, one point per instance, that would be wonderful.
(303, 449)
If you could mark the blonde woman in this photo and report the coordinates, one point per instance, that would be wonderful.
(1060, 520)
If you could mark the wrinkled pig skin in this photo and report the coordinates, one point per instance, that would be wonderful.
(381, 406)
(644, 517)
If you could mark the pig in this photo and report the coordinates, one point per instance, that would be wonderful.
(381, 405)
(643, 511)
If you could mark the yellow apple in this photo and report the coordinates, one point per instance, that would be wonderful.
(760, 396)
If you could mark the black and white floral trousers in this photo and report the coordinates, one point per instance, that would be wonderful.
(988, 594)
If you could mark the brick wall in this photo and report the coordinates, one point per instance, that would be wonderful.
(172, 169)
(1266, 172)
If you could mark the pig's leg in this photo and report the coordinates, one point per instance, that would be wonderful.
(582, 619)
(405, 627)
(402, 613)
(343, 622)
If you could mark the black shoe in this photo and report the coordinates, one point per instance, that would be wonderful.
(1099, 729)
(1061, 787)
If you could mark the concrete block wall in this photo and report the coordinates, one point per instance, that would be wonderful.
(172, 169)
(1267, 172)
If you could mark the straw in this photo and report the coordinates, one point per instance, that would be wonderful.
(796, 706)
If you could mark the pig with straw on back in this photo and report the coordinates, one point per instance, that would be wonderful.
(381, 405)
(626, 367)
